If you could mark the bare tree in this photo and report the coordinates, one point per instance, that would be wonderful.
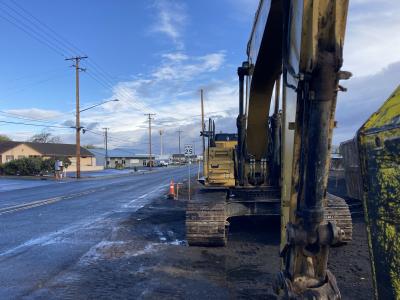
(45, 137)
(90, 146)
(4, 138)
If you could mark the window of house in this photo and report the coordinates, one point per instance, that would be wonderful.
(21, 156)
(9, 158)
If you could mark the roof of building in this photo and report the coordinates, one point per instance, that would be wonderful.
(121, 152)
(48, 149)
(6, 145)
(99, 153)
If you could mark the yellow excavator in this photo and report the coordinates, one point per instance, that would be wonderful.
(279, 163)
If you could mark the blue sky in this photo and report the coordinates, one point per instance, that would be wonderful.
(156, 56)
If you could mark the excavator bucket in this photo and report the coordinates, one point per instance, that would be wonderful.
(379, 149)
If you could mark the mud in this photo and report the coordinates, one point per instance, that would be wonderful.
(146, 257)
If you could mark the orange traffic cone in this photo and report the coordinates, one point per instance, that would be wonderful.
(171, 194)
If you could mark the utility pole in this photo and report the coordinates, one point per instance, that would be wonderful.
(161, 143)
(202, 120)
(106, 145)
(194, 146)
(179, 136)
(150, 118)
(77, 59)
(203, 153)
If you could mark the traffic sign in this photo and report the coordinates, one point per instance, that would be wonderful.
(188, 150)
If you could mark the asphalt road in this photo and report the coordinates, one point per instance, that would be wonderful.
(46, 229)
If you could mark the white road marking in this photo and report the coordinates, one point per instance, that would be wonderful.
(56, 236)
(27, 205)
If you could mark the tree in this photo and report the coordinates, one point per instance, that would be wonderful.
(90, 146)
(32, 166)
(27, 166)
(45, 137)
(4, 138)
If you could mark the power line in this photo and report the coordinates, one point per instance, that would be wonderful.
(35, 76)
(32, 33)
(117, 145)
(60, 45)
(124, 96)
(59, 38)
(111, 138)
(26, 86)
(21, 117)
(38, 125)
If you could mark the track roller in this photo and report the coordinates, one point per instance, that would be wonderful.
(338, 211)
(206, 223)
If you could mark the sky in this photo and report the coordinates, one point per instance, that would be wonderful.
(155, 56)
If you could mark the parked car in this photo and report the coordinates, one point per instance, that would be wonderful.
(162, 163)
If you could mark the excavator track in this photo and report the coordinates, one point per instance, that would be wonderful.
(338, 212)
(206, 223)
(207, 226)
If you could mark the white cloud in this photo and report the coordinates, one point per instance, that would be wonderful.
(171, 90)
(35, 113)
(177, 56)
(176, 68)
(171, 18)
(364, 96)
(372, 37)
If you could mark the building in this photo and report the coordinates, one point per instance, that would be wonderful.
(14, 150)
(99, 154)
(126, 158)
(178, 158)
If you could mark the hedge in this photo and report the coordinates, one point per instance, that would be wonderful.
(31, 166)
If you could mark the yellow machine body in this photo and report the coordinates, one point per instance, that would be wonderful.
(221, 164)
(379, 150)
(282, 161)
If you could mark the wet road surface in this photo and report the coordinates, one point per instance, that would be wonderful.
(46, 229)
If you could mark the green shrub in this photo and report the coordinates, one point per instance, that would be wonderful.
(23, 166)
(31, 166)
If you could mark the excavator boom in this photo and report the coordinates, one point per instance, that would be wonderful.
(280, 162)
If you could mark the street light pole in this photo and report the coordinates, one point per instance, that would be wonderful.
(161, 141)
(106, 144)
(194, 146)
(179, 139)
(78, 150)
(150, 158)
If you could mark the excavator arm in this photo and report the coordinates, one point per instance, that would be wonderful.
(303, 40)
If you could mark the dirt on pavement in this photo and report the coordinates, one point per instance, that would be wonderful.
(146, 257)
